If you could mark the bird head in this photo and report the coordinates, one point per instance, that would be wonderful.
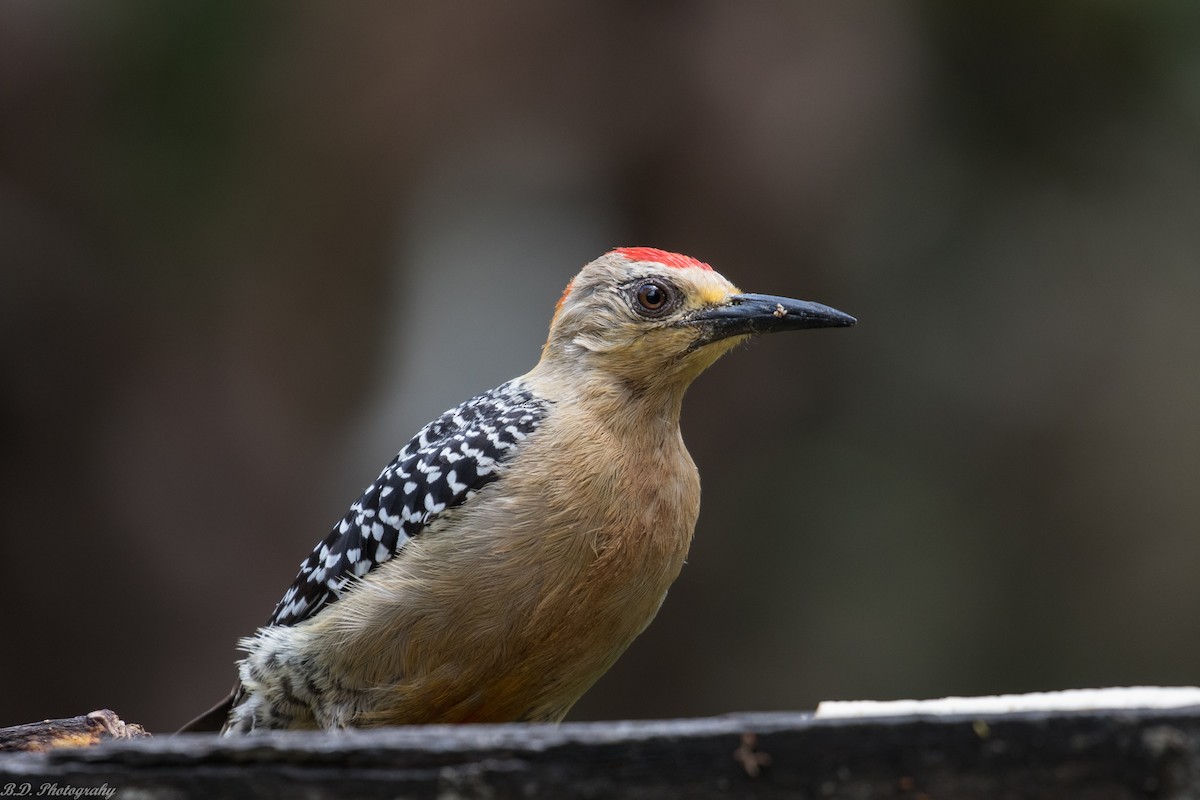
(648, 317)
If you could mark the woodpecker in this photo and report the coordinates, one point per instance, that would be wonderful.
(518, 543)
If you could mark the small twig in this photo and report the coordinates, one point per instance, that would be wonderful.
(82, 731)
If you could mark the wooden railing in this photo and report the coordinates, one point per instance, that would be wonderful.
(1121, 754)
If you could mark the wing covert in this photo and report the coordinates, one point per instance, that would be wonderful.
(444, 465)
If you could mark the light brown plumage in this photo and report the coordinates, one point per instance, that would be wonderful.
(511, 603)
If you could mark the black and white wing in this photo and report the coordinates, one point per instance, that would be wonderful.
(444, 465)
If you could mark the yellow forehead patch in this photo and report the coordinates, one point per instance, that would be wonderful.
(712, 295)
(712, 289)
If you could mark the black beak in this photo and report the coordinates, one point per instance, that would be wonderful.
(745, 314)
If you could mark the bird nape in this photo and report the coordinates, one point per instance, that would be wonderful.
(518, 543)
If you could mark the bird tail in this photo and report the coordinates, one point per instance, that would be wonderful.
(215, 718)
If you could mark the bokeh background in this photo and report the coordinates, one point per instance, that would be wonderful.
(246, 249)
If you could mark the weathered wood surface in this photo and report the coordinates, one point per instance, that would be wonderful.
(82, 731)
(1087, 755)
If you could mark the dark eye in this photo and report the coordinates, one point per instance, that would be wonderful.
(653, 297)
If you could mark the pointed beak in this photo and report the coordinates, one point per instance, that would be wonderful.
(748, 314)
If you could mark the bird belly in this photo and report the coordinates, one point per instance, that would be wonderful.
(502, 616)
(508, 607)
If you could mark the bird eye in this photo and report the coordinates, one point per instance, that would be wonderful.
(653, 297)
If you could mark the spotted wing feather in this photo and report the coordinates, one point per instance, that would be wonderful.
(445, 464)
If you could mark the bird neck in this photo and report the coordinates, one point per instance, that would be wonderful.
(640, 407)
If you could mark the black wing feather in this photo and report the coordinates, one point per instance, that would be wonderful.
(445, 464)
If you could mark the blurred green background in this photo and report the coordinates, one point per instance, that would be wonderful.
(247, 249)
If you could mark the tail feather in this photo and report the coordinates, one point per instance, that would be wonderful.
(215, 718)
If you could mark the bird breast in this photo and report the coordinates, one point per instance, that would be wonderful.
(513, 604)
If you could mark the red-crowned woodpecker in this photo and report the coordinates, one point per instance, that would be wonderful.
(517, 545)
